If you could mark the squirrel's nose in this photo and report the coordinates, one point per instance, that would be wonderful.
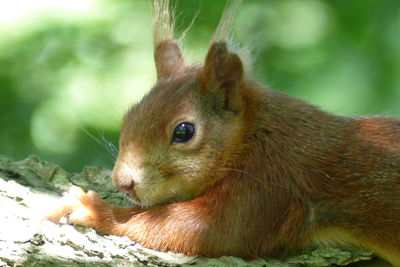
(128, 188)
(126, 176)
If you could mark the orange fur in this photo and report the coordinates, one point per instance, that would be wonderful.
(264, 173)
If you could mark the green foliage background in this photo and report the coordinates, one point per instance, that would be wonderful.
(68, 69)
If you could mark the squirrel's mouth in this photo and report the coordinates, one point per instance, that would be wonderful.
(133, 197)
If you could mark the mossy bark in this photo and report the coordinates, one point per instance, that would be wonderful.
(29, 189)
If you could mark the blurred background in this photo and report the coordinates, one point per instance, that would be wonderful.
(70, 69)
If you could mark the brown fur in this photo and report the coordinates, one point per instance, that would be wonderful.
(264, 173)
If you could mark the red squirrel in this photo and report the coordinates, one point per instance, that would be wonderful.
(221, 165)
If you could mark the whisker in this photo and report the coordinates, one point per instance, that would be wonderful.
(110, 146)
(244, 172)
(175, 173)
(172, 191)
(258, 180)
(103, 143)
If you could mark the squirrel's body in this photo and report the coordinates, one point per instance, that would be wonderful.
(261, 172)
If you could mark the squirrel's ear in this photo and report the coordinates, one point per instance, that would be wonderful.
(168, 58)
(222, 75)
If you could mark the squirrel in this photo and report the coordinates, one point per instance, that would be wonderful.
(218, 164)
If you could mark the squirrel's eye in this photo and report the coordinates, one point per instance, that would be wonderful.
(183, 132)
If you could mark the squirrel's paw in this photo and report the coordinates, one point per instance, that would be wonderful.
(80, 208)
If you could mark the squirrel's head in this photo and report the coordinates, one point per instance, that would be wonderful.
(176, 141)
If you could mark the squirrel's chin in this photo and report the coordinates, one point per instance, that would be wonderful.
(135, 200)
(142, 203)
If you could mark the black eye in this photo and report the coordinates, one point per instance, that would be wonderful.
(183, 132)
